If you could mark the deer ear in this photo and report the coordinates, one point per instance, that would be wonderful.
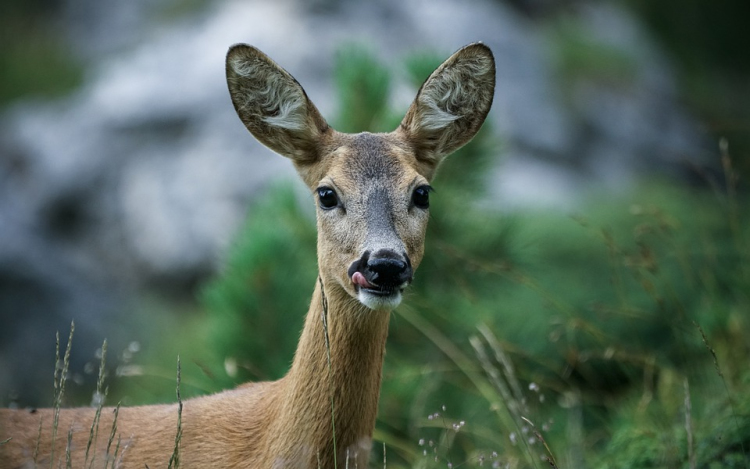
(272, 104)
(452, 104)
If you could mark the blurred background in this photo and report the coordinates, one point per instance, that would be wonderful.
(587, 261)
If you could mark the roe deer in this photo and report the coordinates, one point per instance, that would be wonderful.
(372, 196)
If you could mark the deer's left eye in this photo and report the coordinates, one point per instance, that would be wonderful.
(327, 198)
(421, 197)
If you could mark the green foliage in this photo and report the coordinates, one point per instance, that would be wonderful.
(32, 59)
(177, 9)
(701, 34)
(258, 303)
(578, 56)
(363, 84)
(670, 434)
(708, 44)
(528, 336)
(419, 66)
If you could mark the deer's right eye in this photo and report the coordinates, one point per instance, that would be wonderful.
(327, 198)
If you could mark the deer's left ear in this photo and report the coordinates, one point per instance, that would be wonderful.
(272, 104)
(452, 104)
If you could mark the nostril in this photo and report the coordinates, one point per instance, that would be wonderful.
(359, 265)
(389, 272)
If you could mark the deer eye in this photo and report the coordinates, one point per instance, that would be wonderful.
(421, 197)
(327, 198)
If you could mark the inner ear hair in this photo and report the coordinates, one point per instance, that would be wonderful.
(272, 104)
(452, 104)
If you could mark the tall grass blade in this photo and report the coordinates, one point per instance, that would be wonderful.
(38, 441)
(99, 397)
(689, 424)
(330, 371)
(68, 460)
(174, 460)
(112, 434)
(726, 388)
(60, 378)
(116, 453)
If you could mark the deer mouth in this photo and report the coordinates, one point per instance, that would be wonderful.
(362, 283)
(375, 296)
(380, 278)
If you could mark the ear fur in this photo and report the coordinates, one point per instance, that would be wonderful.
(452, 104)
(272, 104)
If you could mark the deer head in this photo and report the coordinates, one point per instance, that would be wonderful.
(372, 190)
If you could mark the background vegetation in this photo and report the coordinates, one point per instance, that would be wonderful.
(707, 43)
(33, 60)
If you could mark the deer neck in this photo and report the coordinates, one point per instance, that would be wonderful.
(337, 368)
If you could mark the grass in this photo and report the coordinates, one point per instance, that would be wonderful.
(99, 397)
(174, 460)
(112, 456)
(61, 376)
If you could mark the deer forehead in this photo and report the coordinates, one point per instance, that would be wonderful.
(371, 162)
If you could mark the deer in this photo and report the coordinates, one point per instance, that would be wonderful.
(371, 193)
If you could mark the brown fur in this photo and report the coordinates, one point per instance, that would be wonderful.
(288, 423)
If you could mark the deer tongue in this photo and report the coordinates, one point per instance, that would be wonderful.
(359, 279)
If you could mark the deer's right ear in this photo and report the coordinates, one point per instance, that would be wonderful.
(272, 104)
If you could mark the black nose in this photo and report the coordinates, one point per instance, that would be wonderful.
(385, 269)
(388, 272)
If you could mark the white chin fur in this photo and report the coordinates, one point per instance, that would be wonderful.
(378, 302)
